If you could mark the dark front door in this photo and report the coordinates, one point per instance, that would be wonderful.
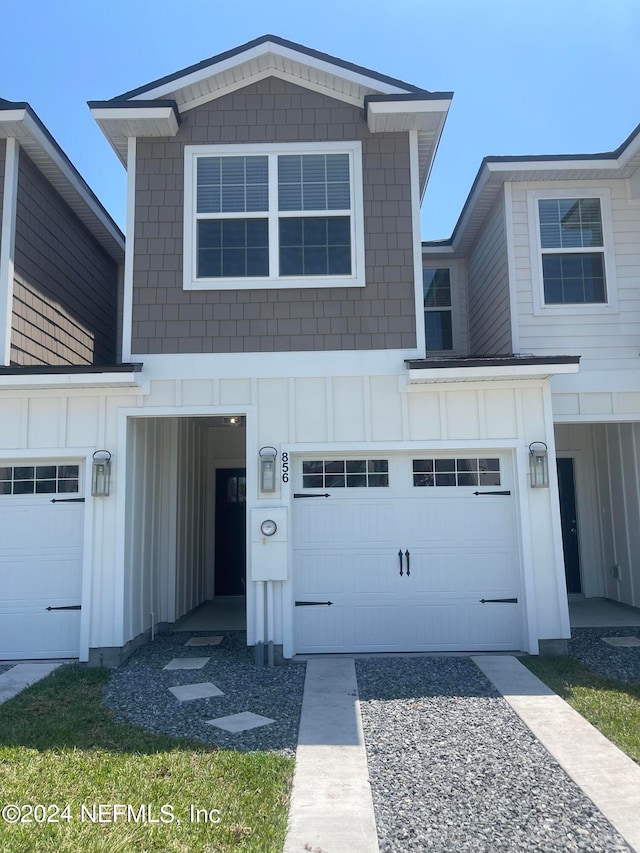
(231, 521)
(569, 519)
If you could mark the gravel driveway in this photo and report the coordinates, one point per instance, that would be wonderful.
(453, 768)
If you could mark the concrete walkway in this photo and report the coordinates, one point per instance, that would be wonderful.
(22, 675)
(607, 776)
(331, 807)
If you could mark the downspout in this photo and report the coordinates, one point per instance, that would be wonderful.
(260, 627)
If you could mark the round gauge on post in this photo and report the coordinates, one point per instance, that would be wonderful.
(268, 527)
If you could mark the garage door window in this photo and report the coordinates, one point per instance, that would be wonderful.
(345, 473)
(39, 479)
(470, 471)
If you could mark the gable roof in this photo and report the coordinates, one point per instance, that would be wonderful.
(20, 121)
(390, 105)
(253, 49)
(494, 172)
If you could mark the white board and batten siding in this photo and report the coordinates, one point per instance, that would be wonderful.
(607, 386)
(617, 453)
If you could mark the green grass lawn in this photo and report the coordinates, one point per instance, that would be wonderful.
(612, 706)
(59, 746)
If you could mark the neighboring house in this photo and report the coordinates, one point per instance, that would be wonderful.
(273, 372)
(545, 259)
(60, 261)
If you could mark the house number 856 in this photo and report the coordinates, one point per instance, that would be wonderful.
(285, 467)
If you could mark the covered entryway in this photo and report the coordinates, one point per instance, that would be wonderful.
(414, 552)
(41, 539)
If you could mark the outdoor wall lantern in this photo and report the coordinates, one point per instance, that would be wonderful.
(539, 465)
(268, 469)
(101, 474)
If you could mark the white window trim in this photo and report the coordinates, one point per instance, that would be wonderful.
(357, 277)
(454, 284)
(537, 280)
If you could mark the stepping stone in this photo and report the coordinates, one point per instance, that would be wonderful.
(187, 663)
(239, 722)
(202, 690)
(621, 641)
(204, 641)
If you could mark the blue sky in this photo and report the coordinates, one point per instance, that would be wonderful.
(550, 76)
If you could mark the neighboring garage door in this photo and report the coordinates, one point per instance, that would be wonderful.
(457, 588)
(41, 531)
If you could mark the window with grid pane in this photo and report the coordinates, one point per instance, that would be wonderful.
(39, 479)
(274, 215)
(572, 244)
(436, 288)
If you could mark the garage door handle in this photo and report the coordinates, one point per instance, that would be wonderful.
(407, 555)
(400, 558)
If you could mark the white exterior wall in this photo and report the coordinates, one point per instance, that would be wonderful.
(488, 287)
(607, 386)
(617, 450)
(130, 565)
(190, 535)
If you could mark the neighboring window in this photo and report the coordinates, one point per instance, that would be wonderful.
(39, 479)
(265, 215)
(456, 472)
(341, 473)
(436, 288)
(572, 244)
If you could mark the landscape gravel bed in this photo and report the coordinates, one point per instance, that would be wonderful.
(615, 661)
(453, 768)
(5, 666)
(138, 693)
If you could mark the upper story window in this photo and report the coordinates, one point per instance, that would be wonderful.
(274, 215)
(438, 320)
(572, 251)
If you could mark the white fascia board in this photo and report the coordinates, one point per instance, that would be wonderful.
(54, 155)
(471, 374)
(10, 117)
(69, 380)
(276, 365)
(437, 250)
(141, 114)
(7, 247)
(254, 53)
(417, 115)
(551, 165)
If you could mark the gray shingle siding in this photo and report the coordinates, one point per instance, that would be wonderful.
(168, 319)
(64, 300)
(488, 287)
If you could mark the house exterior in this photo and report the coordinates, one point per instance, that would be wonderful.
(545, 260)
(281, 426)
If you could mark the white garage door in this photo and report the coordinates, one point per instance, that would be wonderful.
(414, 553)
(41, 529)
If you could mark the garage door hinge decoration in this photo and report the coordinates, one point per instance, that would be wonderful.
(67, 500)
(301, 495)
(498, 601)
(492, 493)
(66, 607)
(313, 603)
